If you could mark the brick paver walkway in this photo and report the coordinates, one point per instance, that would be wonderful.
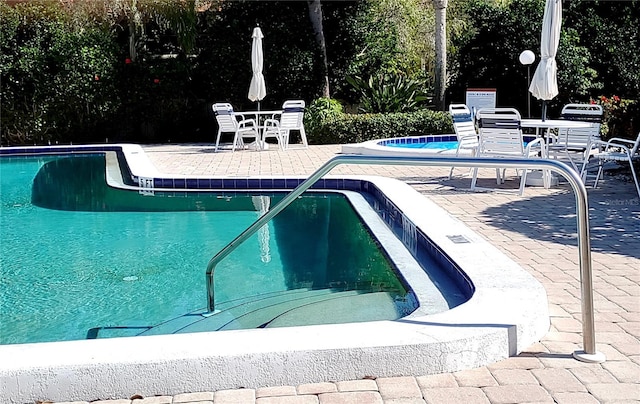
(538, 231)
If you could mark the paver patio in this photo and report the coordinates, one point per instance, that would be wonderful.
(537, 230)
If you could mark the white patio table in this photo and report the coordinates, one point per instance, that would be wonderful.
(257, 115)
(547, 125)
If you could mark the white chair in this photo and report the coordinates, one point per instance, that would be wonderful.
(577, 144)
(291, 118)
(618, 149)
(464, 126)
(500, 136)
(227, 122)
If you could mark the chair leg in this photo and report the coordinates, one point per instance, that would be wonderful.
(595, 183)
(217, 140)
(635, 178)
(523, 181)
(474, 178)
(303, 135)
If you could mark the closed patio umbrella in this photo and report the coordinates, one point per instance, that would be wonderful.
(257, 88)
(544, 85)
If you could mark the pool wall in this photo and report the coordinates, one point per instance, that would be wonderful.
(506, 314)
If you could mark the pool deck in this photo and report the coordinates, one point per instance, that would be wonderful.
(536, 230)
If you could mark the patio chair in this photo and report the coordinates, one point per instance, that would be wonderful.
(228, 122)
(291, 119)
(577, 145)
(464, 126)
(501, 137)
(618, 149)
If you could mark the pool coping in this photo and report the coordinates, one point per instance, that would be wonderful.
(507, 313)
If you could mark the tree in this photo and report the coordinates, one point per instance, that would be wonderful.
(315, 15)
(440, 84)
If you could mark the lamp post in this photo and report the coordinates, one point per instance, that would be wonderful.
(527, 58)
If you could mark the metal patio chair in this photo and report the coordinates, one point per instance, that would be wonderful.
(228, 122)
(501, 137)
(291, 119)
(577, 145)
(464, 126)
(618, 149)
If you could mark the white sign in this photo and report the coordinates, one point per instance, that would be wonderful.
(480, 98)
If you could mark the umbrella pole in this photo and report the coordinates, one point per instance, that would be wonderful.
(544, 110)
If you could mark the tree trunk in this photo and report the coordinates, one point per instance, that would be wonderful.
(315, 15)
(440, 7)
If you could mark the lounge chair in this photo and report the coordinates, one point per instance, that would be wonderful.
(228, 122)
(618, 149)
(464, 126)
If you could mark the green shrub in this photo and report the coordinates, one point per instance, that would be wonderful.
(318, 111)
(58, 77)
(389, 93)
(352, 128)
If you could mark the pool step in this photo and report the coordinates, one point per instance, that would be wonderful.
(227, 311)
(289, 308)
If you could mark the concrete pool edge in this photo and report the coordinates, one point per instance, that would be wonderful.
(507, 313)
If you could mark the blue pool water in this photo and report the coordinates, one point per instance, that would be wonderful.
(80, 260)
(435, 145)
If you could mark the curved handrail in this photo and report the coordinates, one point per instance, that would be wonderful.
(589, 354)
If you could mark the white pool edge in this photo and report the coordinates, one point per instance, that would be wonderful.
(507, 314)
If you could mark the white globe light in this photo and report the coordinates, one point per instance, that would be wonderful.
(527, 57)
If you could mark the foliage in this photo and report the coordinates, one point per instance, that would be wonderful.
(57, 76)
(607, 29)
(487, 54)
(377, 37)
(318, 112)
(388, 93)
(618, 116)
(352, 128)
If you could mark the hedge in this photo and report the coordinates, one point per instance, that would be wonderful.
(339, 128)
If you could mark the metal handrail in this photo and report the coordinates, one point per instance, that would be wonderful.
(589, 354)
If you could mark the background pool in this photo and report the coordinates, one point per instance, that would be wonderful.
(443, 145)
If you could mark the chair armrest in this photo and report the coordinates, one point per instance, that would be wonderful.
(244, 122)
(271, 122)
(623, 143)
(539, 141)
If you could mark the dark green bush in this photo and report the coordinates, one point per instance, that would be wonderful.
(352, 128)
(58, 78)
(389, 93)
(319, 110)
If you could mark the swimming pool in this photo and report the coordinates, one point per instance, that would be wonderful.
(139, 268)
(506, 313)
(406, 146)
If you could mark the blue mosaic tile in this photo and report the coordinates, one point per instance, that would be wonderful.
(253, 183)
(216, 183)
(179, 183)
(352, 185)
(278, 183)
(192, 183)
(266, 183)
(291, 183)
(204, 183)
(241, 183)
